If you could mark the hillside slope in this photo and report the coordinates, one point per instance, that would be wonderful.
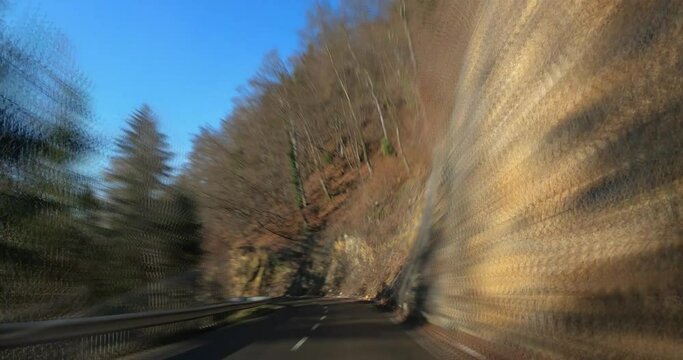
(557, 225)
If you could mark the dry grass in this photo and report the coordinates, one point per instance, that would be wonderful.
(372, 232)
(554, 131)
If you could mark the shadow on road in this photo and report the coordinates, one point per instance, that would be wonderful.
(348, 330)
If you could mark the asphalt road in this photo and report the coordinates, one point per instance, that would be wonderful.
(320, 329)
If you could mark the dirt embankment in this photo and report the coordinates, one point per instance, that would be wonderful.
(556, 230)
(553, 134)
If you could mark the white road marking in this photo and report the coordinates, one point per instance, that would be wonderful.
(323, 317)
(470, 351)
(315, 326)
(298, 345)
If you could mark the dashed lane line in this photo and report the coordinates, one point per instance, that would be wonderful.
(298, 345)
(303, 340)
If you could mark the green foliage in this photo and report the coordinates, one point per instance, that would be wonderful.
(328, 158)
(44, 242)
(184, 246)
(385, 147)
(294, 173)
(153, 222)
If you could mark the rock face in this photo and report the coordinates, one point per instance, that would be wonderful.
(350, 255)
(560, 179)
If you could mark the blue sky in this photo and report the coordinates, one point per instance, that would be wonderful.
(185, 58)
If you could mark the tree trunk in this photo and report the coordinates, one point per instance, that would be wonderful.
(350, 104)
(404, 16)
(297, 169)
(317, 160)
(365, 155)
(370, 83)
(379, 107)
(400, 148)
(324, 187)
(294, 156)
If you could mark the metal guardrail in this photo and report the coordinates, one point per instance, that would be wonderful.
(37, 332)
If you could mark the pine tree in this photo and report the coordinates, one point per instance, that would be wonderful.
(138, 184)
(184, 227)
(43, 113)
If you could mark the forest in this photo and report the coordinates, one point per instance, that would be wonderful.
(316, 144)
(505, 176)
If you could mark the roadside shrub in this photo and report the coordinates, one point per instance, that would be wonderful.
(327, 158)
(385, 147)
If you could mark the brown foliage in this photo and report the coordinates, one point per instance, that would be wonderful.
(301, 136)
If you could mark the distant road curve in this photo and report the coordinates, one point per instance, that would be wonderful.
(327, 329)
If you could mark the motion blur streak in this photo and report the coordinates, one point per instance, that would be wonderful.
(558, 227)
(505, 176)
